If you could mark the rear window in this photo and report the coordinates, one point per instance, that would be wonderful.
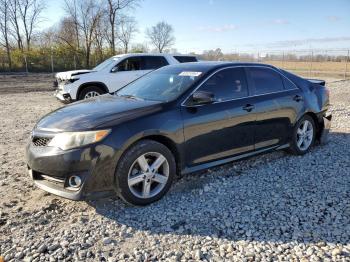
(186, 59)
(154, 62)
(288, 85)
(265, 80)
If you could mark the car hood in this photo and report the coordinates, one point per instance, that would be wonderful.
(67, 75)
(100, 112)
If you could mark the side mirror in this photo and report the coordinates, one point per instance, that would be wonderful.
(202, 97)
(115, 69)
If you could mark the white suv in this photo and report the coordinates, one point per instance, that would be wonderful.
(111, 75)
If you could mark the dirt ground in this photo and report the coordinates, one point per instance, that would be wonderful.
(21, 83)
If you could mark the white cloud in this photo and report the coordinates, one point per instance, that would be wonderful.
(300, 42)
(333, 18)
(218, 29)
(280, 21)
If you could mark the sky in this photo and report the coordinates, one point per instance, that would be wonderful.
(241, 25)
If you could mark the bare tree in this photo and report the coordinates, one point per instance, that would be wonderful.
(67, 34)
(140, 48)
(113, 7)
(29, 12)
(99, 39)
(161, 36)
(86, 15)
(5, 29)
(14, 6)
(127, 27)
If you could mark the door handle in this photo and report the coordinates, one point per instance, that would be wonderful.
(298, 98)
(248, 107)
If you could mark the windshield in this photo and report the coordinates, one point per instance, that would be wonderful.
(161, 85)
(105, 64)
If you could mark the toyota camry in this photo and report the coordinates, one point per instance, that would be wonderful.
(178, 119)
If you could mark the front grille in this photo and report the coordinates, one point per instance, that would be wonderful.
(41, 141)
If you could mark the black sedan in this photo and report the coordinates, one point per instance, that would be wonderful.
(178, 119)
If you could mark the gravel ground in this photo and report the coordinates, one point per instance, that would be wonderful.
(268, 208)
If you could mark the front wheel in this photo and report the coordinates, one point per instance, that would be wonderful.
(145, 173)
(303, 136)
(90, 91)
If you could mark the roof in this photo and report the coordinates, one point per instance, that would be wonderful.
(150, 54)
(212, 65)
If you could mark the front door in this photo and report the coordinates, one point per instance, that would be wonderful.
(223, 128)
(125, 72)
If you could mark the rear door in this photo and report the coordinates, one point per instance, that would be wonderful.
(223, 128)
(277, 104)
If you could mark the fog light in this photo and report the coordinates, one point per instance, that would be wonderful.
(74, 181)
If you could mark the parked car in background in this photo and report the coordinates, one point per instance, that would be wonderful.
(111, 75)
(177, 119)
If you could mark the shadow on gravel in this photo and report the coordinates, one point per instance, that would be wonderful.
(274, 197)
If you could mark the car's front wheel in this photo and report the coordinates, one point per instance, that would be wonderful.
(90, 91)
(145, 172)
(304, 134)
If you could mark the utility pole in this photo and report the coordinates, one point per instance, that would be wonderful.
(346, 64)
(52, 68)
(25, 61)
(311, 58)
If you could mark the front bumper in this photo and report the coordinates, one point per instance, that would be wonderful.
(63, 97)
(51, 168)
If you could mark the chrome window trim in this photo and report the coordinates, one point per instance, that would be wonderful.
(249, 96)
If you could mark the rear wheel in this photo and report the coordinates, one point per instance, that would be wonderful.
(303, 136)
(145, 173)
(90, 91)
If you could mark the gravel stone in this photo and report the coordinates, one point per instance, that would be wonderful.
(42, 248)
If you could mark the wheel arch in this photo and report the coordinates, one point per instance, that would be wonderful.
(97, 84)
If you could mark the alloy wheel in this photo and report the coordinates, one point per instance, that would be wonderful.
(148, 175)
(305, 135)
(91, 94)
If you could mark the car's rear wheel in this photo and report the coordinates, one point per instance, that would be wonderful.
(304, 134)
(90, 91)
(145, 172)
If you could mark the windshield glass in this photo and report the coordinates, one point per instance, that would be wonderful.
(161, 85)
(105, 64)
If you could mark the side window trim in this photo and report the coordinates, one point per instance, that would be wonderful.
(249, 83)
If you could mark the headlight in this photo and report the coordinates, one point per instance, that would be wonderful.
(69, 81)
(68, 140)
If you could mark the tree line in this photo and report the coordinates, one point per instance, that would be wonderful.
(89, 32)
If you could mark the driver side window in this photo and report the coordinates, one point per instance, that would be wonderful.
(227, 84)
(130, 64)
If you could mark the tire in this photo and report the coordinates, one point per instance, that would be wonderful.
(300, 149)
(92, 90)
(135, 182)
